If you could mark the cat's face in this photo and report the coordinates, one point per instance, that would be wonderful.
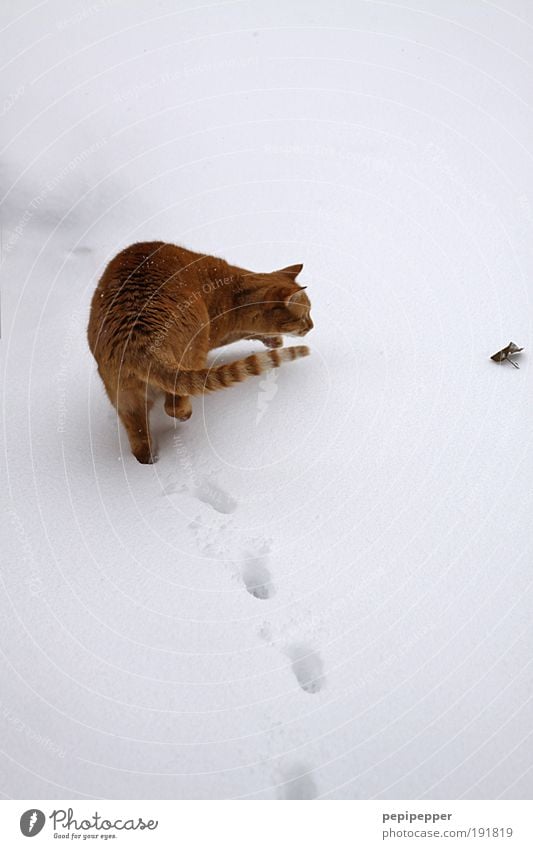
(279, 308)
(293, 316)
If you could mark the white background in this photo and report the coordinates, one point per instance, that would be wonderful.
(378, 493)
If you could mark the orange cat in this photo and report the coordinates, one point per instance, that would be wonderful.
(159, 309)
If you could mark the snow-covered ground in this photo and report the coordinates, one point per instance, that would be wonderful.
(323, 589)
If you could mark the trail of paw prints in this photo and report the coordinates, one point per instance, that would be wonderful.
(297, 782)
(307, 667)
(219, 538)
(211, 539)
(256, 574)
(171, 487)
(210, 492)
(306, 663)
(204, 489)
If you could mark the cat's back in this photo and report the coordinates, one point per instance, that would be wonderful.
(137, 287)
(144, 265)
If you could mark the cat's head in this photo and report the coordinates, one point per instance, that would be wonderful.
(276, 305)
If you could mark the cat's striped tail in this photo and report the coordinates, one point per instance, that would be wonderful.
(220, 377)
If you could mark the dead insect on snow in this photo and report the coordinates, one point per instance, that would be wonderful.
(505, 354)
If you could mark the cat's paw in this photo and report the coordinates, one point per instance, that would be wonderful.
(273, 341)
(145, 456)
(178, 407)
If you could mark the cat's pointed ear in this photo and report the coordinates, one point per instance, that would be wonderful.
(291, 271)
(294, 297)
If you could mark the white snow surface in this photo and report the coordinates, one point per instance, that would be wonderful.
(323, 587)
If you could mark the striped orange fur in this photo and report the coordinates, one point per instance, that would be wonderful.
(159, 309)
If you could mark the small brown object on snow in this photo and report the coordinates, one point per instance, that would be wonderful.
(505, 354)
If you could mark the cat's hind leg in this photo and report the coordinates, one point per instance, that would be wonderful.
(193, 358)
(179, 406)
(133, 406)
